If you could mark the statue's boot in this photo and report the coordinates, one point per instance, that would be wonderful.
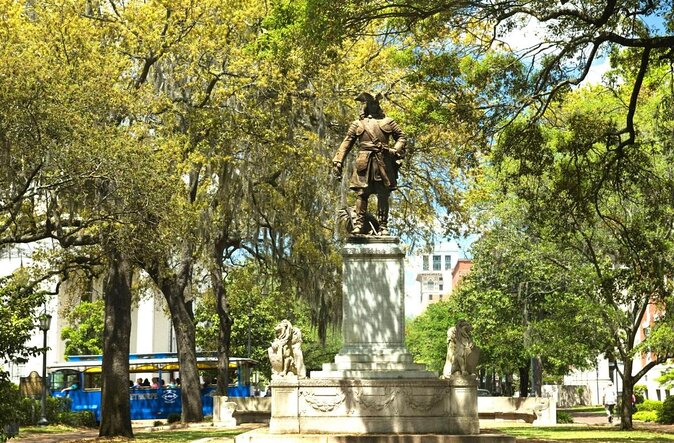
(359, 223)
(382, 214)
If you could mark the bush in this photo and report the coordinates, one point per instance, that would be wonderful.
(173, 418)
(9, 413)
(78, 419)
(158, 423)
(649, 416)
(564, 418)
(666, 414)
(29, 410)
(649, 405)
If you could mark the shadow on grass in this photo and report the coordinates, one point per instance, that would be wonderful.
(176, 435)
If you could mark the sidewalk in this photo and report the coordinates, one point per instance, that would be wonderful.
(600, 418)
(593, 418)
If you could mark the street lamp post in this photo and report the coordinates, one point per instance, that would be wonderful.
(250, 319)
(45, 322)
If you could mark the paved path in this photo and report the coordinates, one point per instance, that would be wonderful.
(592, 418)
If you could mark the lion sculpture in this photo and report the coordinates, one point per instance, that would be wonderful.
(285, 352)
(462, 354)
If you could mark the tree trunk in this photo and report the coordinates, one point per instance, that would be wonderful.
(173, 285)
(115, 406)
(224, 330)
(524, 380)
(508, 391)
(182, 320)
(537, 376)
(626, 397)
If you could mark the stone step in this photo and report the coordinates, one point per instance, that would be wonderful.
(391, 357)
(373, 374)
(373, 366)
(263, 435)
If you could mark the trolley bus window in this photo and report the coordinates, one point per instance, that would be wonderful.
(63, 378)
(92, 380)
(209, 376)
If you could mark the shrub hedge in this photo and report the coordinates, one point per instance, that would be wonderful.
(649, 405)
(666, 414)
(648, 416)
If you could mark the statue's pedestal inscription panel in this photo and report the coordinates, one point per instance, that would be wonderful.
(375, 406)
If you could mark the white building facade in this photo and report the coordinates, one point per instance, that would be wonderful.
(429, 277)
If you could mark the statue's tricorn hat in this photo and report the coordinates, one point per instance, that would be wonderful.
(371, 105)
(366, 97)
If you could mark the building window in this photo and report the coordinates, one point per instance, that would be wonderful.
(425, 263)
(448, 262)
(436, 262)
(430, 297)
(440, 288)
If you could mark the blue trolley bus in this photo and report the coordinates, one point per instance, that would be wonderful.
(80, 379)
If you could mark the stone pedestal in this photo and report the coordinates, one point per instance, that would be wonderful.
(373, 306)
(373, 386)
(379, 406)
(223, 412)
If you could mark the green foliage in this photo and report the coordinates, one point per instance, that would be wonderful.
(649, 405)
(522, 299)
(19, 304)
(84, 333)
(78, 419)
(57, 410)
(9, 400)
(256, 301)
(173, 418)
(564, 417)
(426, 335)
(666, 378)
(647, 416)
(666, 414)
(574, 213)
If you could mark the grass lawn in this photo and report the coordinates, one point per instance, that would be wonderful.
(523, 433)
(180, 435)
(169, 435)
(583, 434)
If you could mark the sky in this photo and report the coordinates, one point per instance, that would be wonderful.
(523, 38)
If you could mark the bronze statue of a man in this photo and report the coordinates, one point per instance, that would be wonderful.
(377, 163)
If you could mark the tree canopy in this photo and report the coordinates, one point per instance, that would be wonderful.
(185, 139)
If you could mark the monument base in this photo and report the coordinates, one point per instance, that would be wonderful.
(375, 406)
(373, 391)
(264, 436)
